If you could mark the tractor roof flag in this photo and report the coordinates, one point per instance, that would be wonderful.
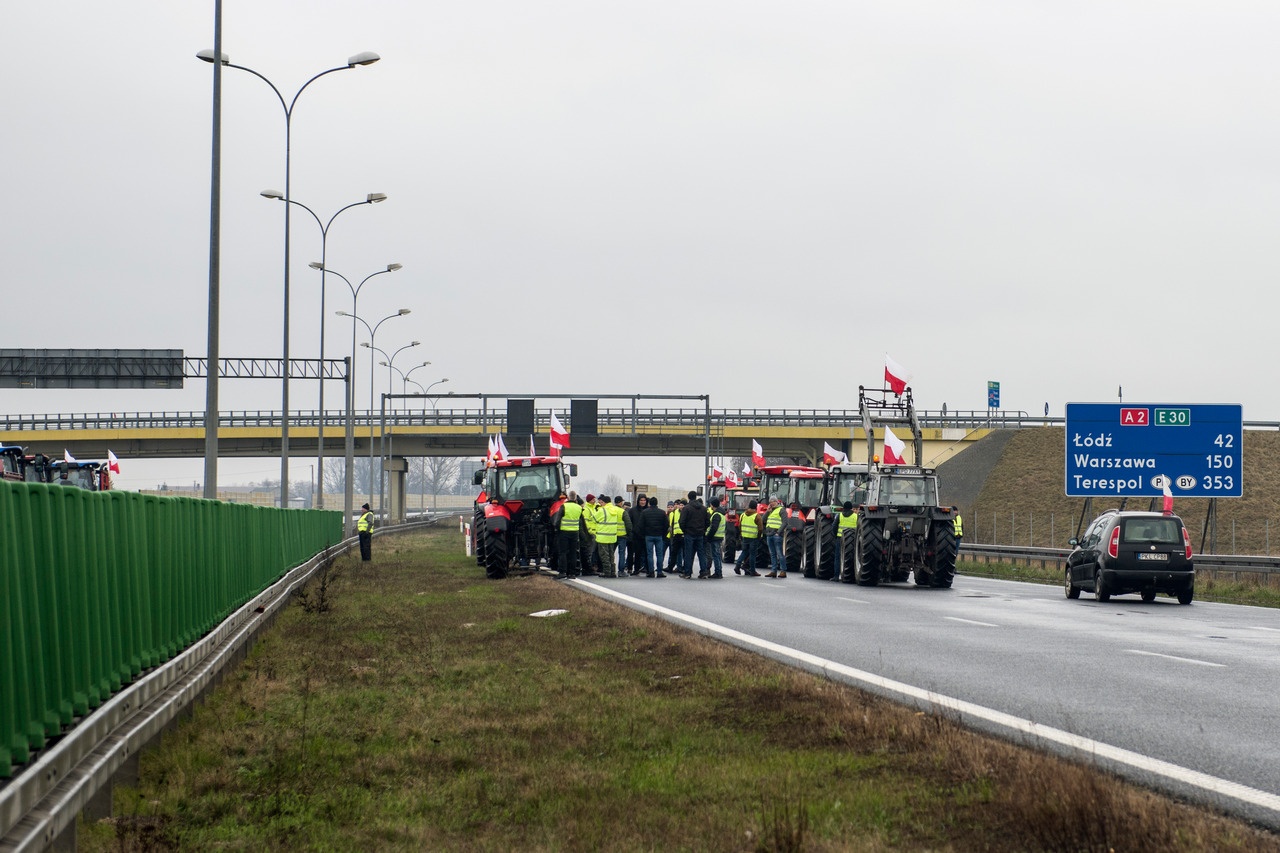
(831, 456)
(67, 457)
(559, 437)
(1168, 496)
(503, 453)
(893, 448)
(757, 454)
(895, 375)
(493, 449)
(730, 479)
(113, 464)
(717, 473)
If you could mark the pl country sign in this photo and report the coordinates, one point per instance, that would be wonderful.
(1127, 450)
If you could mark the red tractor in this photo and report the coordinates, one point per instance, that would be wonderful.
(511, 525)
(789, 483)
(733, 502)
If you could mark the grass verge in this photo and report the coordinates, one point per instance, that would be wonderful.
(424, 708)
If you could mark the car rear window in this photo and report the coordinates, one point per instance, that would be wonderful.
(1163, 531)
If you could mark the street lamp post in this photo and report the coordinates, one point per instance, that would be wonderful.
(365, 58)
(373, 331)
(385, 438)
(371, 198)
(348, 506)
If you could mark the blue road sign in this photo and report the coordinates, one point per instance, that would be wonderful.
(1127, 449)
(993, 395)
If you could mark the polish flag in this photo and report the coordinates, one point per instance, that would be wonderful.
(895, 375)
(67, 457)
(757, 454)
(893, 448)
(503, 453)
(559, 438)
(532, 450)
(717, 473)
(113, 464)
(1168, 496)
(831, 456)
(730, 479)
(746, 469)
(493, 449)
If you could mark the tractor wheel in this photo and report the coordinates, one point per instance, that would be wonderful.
(943, 571)
(849, 558)
(477, 540)
(732, 543)
(762, 554)
(869, 555)
(496, 557)
(793, 550)
(826, 557)
(810, 551)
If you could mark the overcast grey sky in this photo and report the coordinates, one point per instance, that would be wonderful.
(750, 200)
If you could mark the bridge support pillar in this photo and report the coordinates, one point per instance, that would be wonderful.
(397, 468)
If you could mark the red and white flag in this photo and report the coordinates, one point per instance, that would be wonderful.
(113, 464)
(67, 457)
(503, 453)
(717, 473)
(746, 469)
(493, 449)
(730, 479)
(532, 450)
(831, 456)
(895, 375)
(1168, 496)
(757, 454)
(559, 437)
(893, 448)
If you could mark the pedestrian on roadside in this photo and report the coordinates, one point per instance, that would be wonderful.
(606, 535)
(636, 554)
(586, 542)
(623, 525)
(773, 538)
(364, 529)
(693, 525)
(846, 530)
(653, 526)
(749, 524)
(568, 522)
(959, 524)
(715, 539)
(675, 559)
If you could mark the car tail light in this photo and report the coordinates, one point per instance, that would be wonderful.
(1186, 540)
(1113, 548)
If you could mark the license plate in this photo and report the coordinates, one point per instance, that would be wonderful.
(1152, 556)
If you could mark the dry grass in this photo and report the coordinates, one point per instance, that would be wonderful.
(1028, 483)
(426, 710)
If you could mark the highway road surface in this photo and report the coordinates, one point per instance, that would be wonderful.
(1183, 698)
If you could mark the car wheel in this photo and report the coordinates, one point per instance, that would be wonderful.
(1100, 587)
(1148, 595)
(1185, 596)
(1072, 591)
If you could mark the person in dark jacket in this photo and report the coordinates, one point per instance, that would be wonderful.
(653, 526)
(693, 524)
(635, 548)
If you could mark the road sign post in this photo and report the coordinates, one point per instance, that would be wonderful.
(1117, 450)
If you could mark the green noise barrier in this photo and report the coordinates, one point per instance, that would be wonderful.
(98, 587)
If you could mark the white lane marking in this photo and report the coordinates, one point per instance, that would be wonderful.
(1082, 745)
(971, 622)
(852, 600)
(1262, 628)
(1174, 657)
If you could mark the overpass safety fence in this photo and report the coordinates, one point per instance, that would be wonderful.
(98, 587)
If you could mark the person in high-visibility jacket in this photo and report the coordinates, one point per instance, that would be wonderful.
(715, 539)
(959, 526)
(587, 536)
(675, 539)
(568, 521)
(749, 523)
(846, 526)
(773, 538)
(607, 536)
(364, 528)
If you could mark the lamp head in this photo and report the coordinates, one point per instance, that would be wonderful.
(367, 57)
(316, 265)
(206, 55)
(403, 311)
(415, 343)
(394, 267)
(344, 314)
(374, 198)
(272, 194)
(366, 345)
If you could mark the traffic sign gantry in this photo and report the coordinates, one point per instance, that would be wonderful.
(1126, 450)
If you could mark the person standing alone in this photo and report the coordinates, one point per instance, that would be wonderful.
(364, 528)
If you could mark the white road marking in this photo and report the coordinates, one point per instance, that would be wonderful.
(971, 622)
(852, 600)
(1081, 745)
(1263, 628)
(1174, 657)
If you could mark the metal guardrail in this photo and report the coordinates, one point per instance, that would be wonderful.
(1215, 564)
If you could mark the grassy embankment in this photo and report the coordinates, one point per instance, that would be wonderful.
(415, 706)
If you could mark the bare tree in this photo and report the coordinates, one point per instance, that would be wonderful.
(434, 474)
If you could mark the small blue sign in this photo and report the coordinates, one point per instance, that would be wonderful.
(1129, 449)
(993, 395)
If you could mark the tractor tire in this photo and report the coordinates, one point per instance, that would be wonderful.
(496, 557)
(849, 558)
(943, 572)
(477, 540)
(826, 556)
(762, 555)
(793, 550)
(869, 554)
(810, 551)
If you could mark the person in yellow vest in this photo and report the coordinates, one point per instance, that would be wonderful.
(606, 536)
(587, 536)
(959, 523)
(846, 526)
(675, 536)
(751, 534)
(364, 528)
(568, 521)
(715, 539)
(773, 538)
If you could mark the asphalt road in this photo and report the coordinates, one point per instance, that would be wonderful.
(1181, 698)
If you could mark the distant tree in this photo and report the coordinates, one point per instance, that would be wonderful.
(435, 475)
(612, 486)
